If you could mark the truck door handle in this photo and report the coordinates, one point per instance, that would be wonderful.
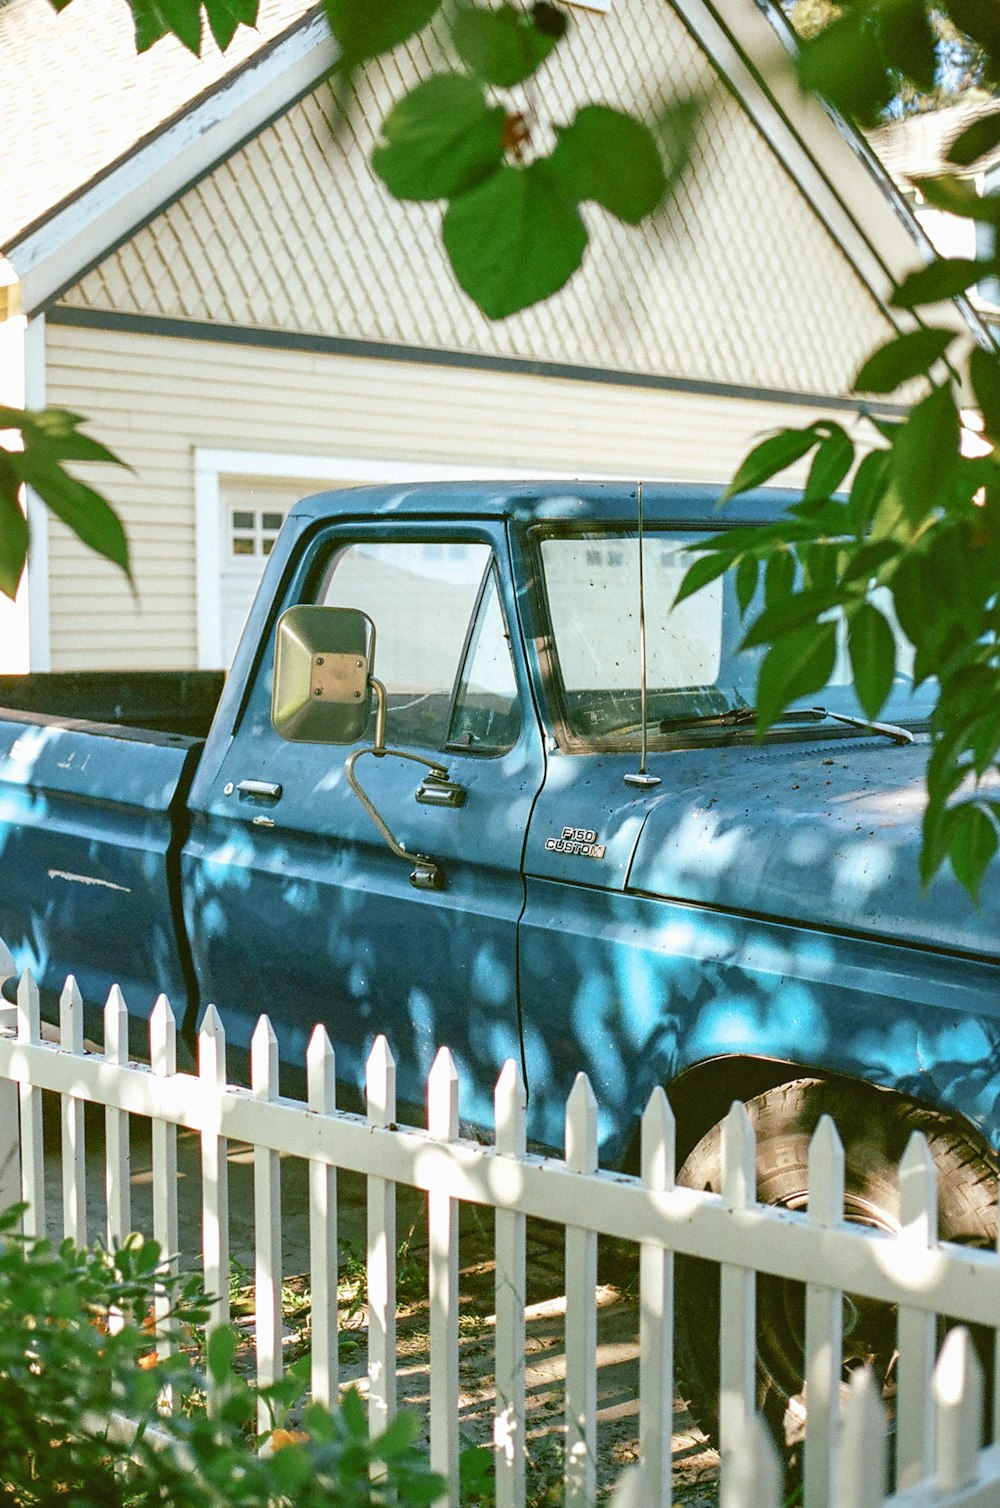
(263, 790)
(438, 790)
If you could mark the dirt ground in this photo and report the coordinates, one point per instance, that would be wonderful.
(695, 1463)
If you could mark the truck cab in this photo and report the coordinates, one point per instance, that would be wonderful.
(744, 911)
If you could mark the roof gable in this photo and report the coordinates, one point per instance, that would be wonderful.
(841, 186)
(741, 283)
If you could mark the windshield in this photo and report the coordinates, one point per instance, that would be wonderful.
(694, 666)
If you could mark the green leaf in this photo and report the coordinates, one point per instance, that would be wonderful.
(957, 196)
(220, 1353)
(353, 1413)
(441, 139)
(908, 41)
(845, 64)
(677, 128)
(290, 1469)
(872, 648)
(801, 662)
(705, 569)
(945, 277)
(865, 563)
(868, 487)
(87, 513)
(747, 573)
(824, 515)
(13, 530)
(515, 239)
(980, 20)
(779, 577)
(59, 432)
(366, 28)
(831, 463)
(926, 453)
(224, 16)
(938, 824)
(984, 369)
(50, 438)
(612, 158)
(972, 843)
(788, 614)
(975, 141)
(820, 564)
(154, 19)
(398, 1436)
(911, 355)
(504, 46)
(770, 457)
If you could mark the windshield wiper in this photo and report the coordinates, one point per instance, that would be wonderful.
(733, 717)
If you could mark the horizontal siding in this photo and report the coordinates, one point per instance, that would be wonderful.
(155, 399)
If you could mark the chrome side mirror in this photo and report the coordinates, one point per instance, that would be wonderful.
(323, 658)
(323, 685)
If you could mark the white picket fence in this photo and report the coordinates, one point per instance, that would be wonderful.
(938, 1435)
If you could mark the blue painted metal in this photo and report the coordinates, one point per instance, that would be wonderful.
(762, 900)
(297, 905)
(90, 819)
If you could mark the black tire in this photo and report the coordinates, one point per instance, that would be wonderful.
(875, 1128)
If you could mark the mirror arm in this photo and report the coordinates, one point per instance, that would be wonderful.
(380, 706)
(426, 874)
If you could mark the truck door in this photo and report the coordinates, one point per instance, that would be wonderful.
(295, 904)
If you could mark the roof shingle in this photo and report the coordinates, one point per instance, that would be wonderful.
(75, 98)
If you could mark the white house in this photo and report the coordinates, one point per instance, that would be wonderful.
(200, 263)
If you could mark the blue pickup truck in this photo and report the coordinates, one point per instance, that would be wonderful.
(726, 917)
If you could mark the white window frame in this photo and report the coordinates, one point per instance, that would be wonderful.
(211, 465)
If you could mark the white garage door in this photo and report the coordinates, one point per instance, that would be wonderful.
(252, 510)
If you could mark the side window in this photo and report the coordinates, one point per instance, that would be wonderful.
(487, 716)
(421, 598)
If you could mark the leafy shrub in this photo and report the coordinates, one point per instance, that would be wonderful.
(77, 1354)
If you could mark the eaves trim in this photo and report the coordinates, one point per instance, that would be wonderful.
(337, 345)
(57, 251)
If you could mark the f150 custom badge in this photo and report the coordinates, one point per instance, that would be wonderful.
(581, 840)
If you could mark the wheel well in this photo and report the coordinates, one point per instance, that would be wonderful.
(701, 1096)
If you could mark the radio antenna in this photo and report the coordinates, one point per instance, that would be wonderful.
(640, 777)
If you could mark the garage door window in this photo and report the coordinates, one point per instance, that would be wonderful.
(253, 531)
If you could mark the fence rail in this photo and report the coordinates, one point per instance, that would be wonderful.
(938, 1418)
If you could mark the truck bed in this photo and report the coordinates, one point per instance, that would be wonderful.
(166, 701)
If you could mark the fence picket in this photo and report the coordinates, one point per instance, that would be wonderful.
(628, 1491)
(737, 1292)
(267, 1222)
(958, 1412)
(824, 1321)
(753, 1475)
(995, 1435)
(325, 1322)
(163, 1062)
(442, 1240)
(214, 1175)
(581, 1308)
(10, 1123)
(743, 1237)
(656, 1314)
(74, 1151)
(29, 1029)
(380, 1085)
(917, 1330)
(117, 1140)
(860, 1465)
(510, 1106)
